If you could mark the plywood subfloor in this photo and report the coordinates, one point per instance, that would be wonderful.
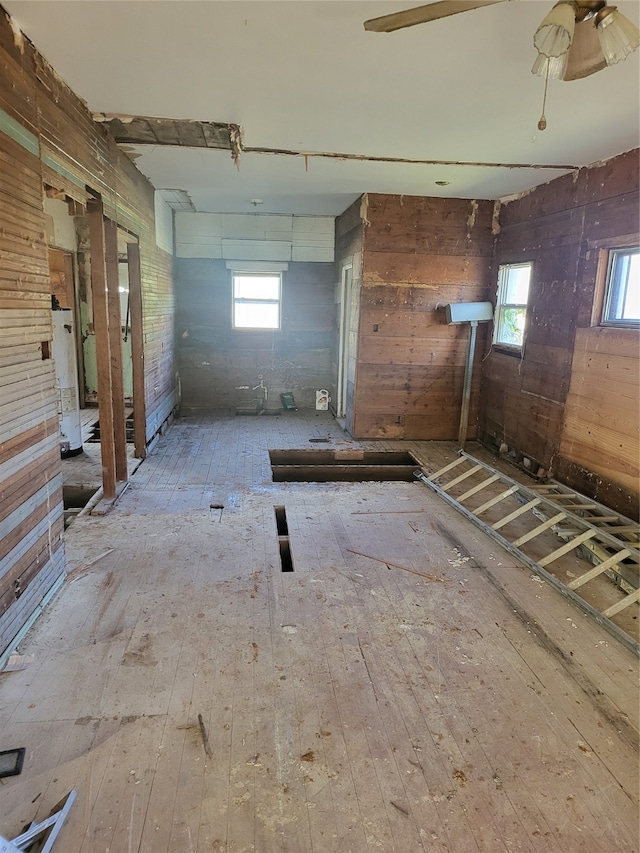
(451, 702)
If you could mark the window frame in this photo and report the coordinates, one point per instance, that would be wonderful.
(235, 300)
(609, 257)
(501, 305)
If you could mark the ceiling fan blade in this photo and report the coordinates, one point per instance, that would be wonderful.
(585, 54)
(424, 14)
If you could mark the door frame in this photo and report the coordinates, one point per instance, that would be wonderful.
(346, 285)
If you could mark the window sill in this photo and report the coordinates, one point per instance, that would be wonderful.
(613, 324)
(504, 349)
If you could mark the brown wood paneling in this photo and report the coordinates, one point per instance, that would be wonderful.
(115, 348)
(434, 269)
(573, 407)
(601, 430)
(79, 154)
(419, 255)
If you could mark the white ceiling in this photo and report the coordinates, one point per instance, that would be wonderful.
(304, 75)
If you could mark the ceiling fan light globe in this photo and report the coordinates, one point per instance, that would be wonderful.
(557, 66)
(619, 37)
(555, 34)
(585, 56)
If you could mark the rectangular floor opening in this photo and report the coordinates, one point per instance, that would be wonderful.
(351, 466)
(281, 521)
(286, 560)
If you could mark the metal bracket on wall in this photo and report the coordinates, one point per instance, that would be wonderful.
(473, 488)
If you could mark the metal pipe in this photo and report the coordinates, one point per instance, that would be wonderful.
(466, 391)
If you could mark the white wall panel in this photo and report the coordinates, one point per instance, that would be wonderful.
(256, 250)
(255, 236)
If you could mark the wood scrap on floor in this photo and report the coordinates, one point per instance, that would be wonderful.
(205, 737)
(16, 662)
(88, 564)
(390, 565)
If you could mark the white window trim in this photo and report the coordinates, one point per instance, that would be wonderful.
(619, 323)
(501, 306)
(257, 269)
(257, 266)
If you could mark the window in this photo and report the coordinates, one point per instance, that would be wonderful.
(511, 305)
(622, 298)
(256, 300)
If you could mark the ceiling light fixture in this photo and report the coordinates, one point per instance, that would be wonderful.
(578, 38)
(619, 37)
(566, 43)
(553, 37)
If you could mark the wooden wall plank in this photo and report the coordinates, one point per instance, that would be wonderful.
(115, 349)
(601, 429)
(589, 373)
(103, 348)
(137, 350)
(419, 255)
(51, 136)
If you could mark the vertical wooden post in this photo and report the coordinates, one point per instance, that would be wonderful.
(103, 356)
(115, 345)
(137, 351)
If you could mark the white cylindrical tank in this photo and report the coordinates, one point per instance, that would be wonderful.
(64, 355)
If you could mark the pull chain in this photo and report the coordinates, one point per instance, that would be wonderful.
(542, 123)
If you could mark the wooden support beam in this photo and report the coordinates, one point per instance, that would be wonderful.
(115, 349)
(103, 354)
(556, 519)
(446, 468)
(574, 507)
(480, 487)
(621, 605)
(569, 546)
(501, 497)
(600, 519)
(516, 514)
(137, 351)
(599, 569)
(460, 478)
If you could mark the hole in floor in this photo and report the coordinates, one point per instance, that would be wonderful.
(94, 436)
(286, 560)
(77, 497)
(351, 466)
(74, 499)
(281, 521)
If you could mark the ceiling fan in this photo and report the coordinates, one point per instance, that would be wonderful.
(576, 39)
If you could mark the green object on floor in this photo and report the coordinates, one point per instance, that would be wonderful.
(288, 401)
